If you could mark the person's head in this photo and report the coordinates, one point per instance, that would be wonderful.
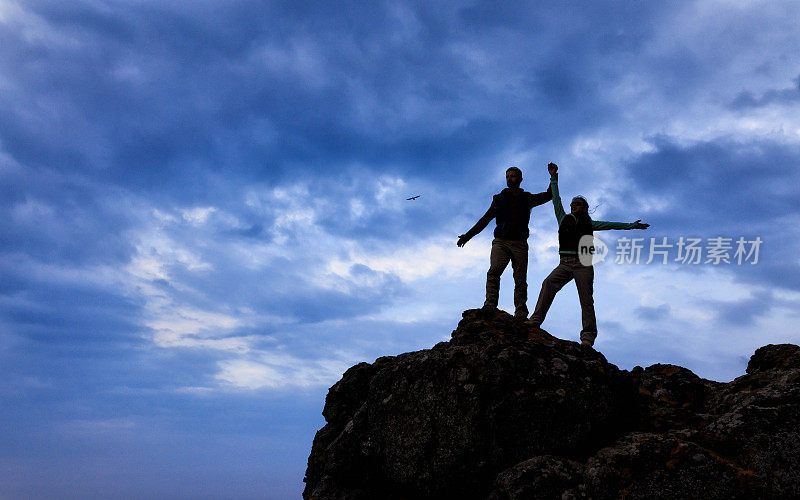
(579, 205)
(513, 177)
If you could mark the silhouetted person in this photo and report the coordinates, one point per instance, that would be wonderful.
(571, 228)
(512, 210)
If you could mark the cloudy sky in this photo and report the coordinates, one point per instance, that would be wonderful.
(204, 215)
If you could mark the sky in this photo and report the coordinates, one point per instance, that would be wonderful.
(205, 216)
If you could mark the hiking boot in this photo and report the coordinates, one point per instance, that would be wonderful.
(587, 342)
(535, 328)
(489, 311)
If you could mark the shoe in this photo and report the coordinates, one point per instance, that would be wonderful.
(489, 311)
(587, 342)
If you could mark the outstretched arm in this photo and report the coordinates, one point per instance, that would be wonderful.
(541, 198)
(600, 225)
(477, 228)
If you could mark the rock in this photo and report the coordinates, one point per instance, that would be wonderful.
(505, 411)
(756, 419)
(640, 465)
(781, 356)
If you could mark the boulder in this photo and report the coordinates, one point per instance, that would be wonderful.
(507, 411)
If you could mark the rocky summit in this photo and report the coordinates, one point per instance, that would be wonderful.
(503, 411)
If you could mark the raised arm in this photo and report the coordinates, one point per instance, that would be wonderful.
(477, 228)
(552, 168)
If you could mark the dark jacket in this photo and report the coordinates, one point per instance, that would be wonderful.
(571, 230)
(512, 211)
(571, 227)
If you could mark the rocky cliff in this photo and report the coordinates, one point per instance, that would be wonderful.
(503, 412)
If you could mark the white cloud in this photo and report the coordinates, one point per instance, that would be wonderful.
(390, 191)
(246, 374)
(173, 310)
(176, 326)
(174, 322)
(178, 321)
(435, 256)
(197, 215)
(273, 370)
(357, 209)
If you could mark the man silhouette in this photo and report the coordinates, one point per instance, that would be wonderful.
(512, 210)
(571, 228)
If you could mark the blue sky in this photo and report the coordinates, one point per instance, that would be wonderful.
(205, 218)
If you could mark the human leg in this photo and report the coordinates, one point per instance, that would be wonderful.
(554, 282)
(519, 264)
(498, 260)
(584, 281)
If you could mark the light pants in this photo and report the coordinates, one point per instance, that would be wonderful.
(502, 252)
(569, 268)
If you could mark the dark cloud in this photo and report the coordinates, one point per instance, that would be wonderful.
(720, 188)
(658, 313)
(156, 97)
(743, 312)
(60, 221)
(747, 100)
(719, 183)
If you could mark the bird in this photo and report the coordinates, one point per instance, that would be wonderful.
(413, 197)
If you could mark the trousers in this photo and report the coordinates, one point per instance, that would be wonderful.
(569, 268)
(516, 252)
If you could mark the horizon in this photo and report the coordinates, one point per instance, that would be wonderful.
(208, 211)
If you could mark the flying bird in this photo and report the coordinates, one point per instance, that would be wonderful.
(413, 197)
